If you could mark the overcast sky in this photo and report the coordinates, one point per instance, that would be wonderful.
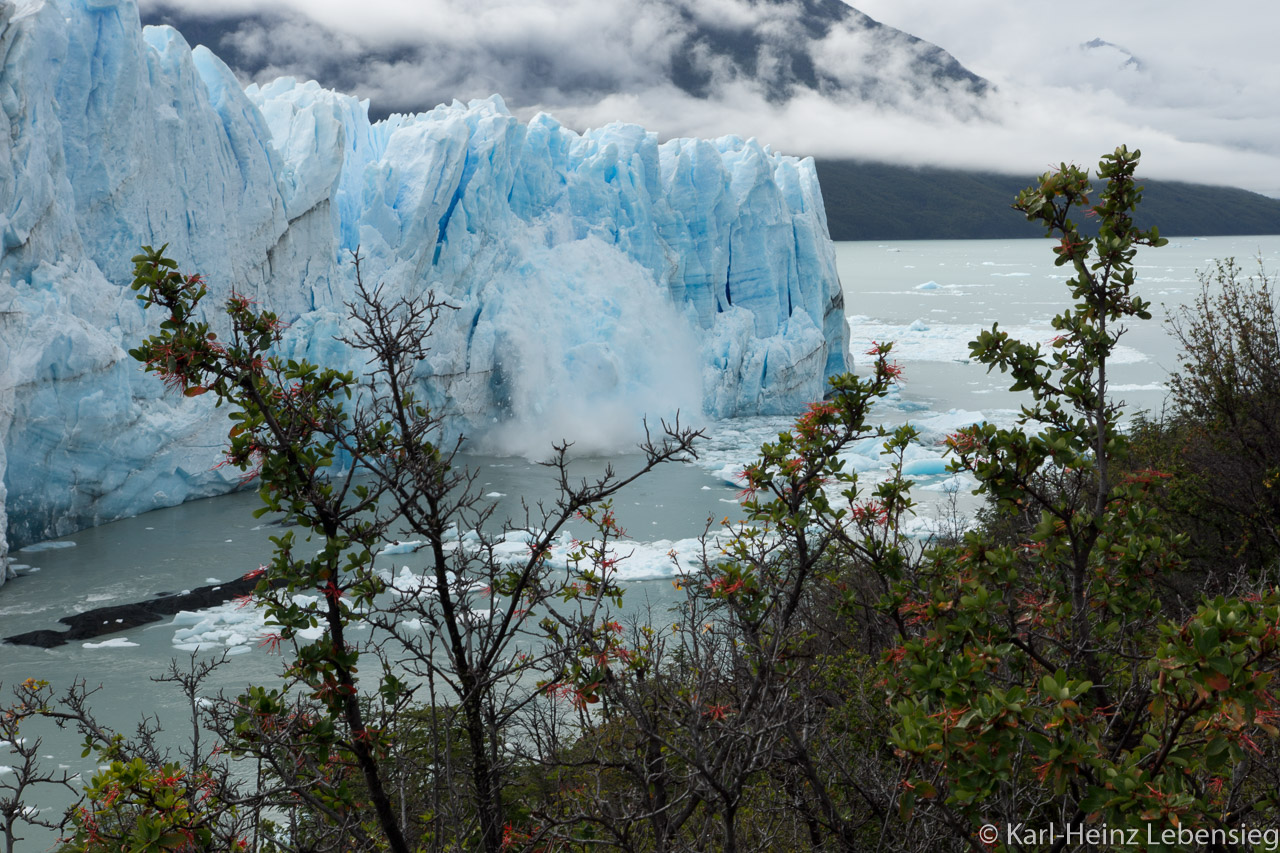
(1196, 85)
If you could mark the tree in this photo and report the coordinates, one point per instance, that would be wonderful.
(1042, 683)
(1037, 670)
(1222, 432)
(291, 422)
(718, 732)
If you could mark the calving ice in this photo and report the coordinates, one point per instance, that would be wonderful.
(594, 277)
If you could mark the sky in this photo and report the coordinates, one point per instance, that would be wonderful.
(1195, 85)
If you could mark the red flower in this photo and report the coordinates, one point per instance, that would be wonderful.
(716, 712)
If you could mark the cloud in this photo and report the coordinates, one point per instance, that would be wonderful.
(1206, 74)
(1197, 98)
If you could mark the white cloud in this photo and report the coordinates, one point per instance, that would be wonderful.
(1200, 104)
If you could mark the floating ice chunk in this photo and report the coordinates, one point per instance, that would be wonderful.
(731, 475)
(919, 326)
(113, 643)
(925, 467)
(402, 547)
(496, 495)
(45, 546)
(943, 342)
(476, 617)
(928, 285)
(951, 485)
(1154, 386)
(933, 429)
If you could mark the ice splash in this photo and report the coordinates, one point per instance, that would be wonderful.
(587, 348)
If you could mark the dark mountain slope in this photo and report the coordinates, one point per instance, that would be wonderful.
(876, 201)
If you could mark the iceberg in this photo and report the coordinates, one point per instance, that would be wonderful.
(597, 277)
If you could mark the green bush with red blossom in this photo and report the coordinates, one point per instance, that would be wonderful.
(1047, 681)
(828, 682)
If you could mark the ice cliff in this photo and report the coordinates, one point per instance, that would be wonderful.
(597, 277)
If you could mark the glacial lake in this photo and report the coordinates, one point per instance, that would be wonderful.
(929, 297)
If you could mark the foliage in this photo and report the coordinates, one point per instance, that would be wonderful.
(290, 421)
(716, 733)
(1043, 685)
(1221, 433)
(827, 682)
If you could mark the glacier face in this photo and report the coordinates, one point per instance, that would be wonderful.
(597, 277)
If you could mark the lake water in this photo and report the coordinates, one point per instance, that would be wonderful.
(929, 297)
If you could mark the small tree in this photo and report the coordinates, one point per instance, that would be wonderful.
(716, 733)
(1042, 684)
(1223, 429)
(291, 421)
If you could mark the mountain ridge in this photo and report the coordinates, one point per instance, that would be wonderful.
(880, 201)
(779, 47)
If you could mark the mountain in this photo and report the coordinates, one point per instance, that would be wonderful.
(597, 277)
(781, 50)
(778, 48)
(878, 201)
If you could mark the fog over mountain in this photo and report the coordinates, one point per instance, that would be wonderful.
(574, 55)
(992, 85)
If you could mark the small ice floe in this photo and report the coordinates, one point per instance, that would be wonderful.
(113, 643)
(45, 546)
(950, 486)
(476, 617)
(1154, 386)
(731, 475)
(928, 285)
(919, 326)
(496, 495)
(399, 547)
(236, 625)
(925, 467)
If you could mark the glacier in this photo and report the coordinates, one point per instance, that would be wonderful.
(598, 277)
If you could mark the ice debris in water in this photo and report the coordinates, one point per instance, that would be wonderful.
(113, 643)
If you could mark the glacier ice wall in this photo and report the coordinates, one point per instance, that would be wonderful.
(598, 277)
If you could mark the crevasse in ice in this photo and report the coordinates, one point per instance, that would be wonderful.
(597, 277)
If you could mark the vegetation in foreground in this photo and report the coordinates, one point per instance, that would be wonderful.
(1089, 668)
